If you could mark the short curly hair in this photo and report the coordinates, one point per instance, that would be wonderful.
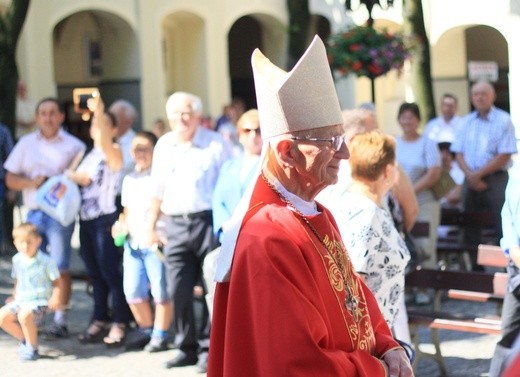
(370, 153)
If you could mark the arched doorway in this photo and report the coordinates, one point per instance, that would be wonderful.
(244, 36)
(458, 46)
(487, 44)
(95, 48)
(247, 33)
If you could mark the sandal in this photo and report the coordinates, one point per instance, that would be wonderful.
(94, 332)
(116, 335)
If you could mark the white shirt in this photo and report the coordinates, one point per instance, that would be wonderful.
(35, 155)
(125, 142)
(136, 197)
(185, 174)
(439, 130)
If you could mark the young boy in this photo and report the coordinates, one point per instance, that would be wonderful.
(143, 269)
(36, 290)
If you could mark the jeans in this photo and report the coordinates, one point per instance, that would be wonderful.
(143, 271)
(55, 236)
(103, 263)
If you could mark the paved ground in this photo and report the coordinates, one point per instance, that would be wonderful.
(466, 355)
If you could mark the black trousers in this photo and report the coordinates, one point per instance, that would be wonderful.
(189, 239)
(492, 200)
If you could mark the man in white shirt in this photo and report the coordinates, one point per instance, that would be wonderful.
(185, 168)
(37, 156)
(126, 115)
(444, 127)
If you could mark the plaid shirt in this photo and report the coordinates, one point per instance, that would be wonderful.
(480, 139)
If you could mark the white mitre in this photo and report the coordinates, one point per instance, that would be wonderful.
(304, 98)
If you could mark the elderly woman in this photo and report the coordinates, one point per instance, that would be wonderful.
(421, 160)
(378, 252)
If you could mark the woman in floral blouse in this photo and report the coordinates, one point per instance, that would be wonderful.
(378, 252)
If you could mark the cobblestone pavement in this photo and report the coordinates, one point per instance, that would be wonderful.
(466, 355)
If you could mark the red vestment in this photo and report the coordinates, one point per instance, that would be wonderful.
(283, 311)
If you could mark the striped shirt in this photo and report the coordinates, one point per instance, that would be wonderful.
(480, 139)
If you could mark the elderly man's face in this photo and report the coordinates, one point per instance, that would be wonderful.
(184, 120)
(318, 163)
(482, 96)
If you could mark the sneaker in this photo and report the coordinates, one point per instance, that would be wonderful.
(202, 363)
(56, 331)
(156, 344)
(27, 353)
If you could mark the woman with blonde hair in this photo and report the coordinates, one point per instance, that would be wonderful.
(375, 247)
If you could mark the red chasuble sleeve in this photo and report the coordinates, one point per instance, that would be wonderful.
(280, 314)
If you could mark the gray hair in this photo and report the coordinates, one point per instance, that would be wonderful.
(177, 97)
(127, 109)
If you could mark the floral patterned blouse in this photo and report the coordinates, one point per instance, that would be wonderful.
(376, 249)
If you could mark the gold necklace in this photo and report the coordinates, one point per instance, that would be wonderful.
(351, 302)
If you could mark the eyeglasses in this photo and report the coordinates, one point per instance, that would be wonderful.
(336, 141)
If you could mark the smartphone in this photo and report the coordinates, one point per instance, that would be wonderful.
(80, 97)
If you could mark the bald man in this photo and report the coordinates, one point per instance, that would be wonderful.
(483, 147)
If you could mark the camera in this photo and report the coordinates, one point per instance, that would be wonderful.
(80, 97)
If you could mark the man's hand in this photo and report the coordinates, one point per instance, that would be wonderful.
(475, 182)
(398, 363)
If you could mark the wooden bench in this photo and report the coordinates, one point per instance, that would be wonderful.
(435, 318)
(491, 256)
(452, 244)
(488, 256)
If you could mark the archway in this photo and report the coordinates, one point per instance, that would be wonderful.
(95, 48)
(487, 44)
(247, 33)
(458, 46)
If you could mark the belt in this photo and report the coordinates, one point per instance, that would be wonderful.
(192, 215)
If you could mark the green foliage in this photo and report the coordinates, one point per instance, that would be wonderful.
(11, 23)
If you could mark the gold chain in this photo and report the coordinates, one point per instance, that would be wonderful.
(351, 302)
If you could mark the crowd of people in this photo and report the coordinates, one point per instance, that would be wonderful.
(243, 211)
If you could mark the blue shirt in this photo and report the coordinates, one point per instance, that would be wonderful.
(482, 139)
(234, 177)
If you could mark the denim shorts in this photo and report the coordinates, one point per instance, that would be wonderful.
(37, 309)
(143, 272)
(55, 237)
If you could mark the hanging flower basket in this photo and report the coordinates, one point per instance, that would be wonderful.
(364, 51)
